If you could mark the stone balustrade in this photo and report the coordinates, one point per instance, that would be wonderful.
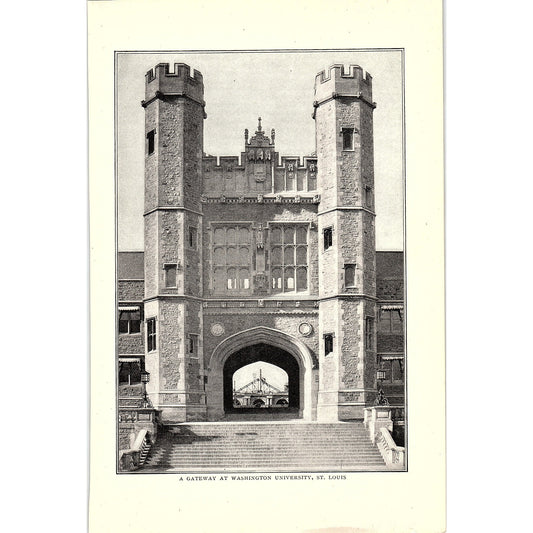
(379, 422)
(376, 418)
(394, 456)
(133, 458)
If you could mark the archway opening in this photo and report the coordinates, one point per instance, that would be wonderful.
(260, 385)
(264, 354)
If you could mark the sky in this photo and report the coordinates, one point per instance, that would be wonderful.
(278, 87)
(274, 375)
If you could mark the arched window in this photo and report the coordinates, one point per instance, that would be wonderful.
(232, 279)
(288, 255)
(301, 236)
(289, 279)
(276, 256)
(231, 236)
(244, 278)
(219, 256)
(275, 236)
(244, 255)
(219, 236)
(301, 255)
(219, 280)
(288, 235)
(277, 280)
(301, 279)
(244, 235)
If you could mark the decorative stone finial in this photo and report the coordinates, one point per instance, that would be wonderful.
(273, 134)
(259, 124)
(246, 135)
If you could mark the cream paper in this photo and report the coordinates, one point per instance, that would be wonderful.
(382, 502)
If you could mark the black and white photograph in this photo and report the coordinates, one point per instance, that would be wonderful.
(260, 252)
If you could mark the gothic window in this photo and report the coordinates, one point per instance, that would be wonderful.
(170, 275)
(151, 334)
(232, 258)
(349, 276)
(129, 321)
(288, 258)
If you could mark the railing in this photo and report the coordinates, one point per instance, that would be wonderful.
(135, 457)
(394, 456)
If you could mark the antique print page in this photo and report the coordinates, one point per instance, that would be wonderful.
(267, 266)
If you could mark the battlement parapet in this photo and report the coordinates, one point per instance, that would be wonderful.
(341, 81)
(298, 162)
(161, 81)
(307, 162)
(221, 162)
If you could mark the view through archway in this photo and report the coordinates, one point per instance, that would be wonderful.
(260, 385)
(261, 378)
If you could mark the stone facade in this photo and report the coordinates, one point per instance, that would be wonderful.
(257, 250)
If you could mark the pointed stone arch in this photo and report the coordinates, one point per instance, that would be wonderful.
(258, 335)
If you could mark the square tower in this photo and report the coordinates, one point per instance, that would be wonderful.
(347, 280)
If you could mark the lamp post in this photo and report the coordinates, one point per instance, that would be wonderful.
(145, 378)
(381, 399)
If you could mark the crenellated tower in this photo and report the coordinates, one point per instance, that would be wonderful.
(343, 110)
(174, 115)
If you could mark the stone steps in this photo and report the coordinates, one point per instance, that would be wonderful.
(263, 446)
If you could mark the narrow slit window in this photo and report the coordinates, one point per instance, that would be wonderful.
(369, 333)
(151, 334)
(328, 238)
(192, 238)
(328, 343)
(151, 141)
(192, 344)
(368, 199)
